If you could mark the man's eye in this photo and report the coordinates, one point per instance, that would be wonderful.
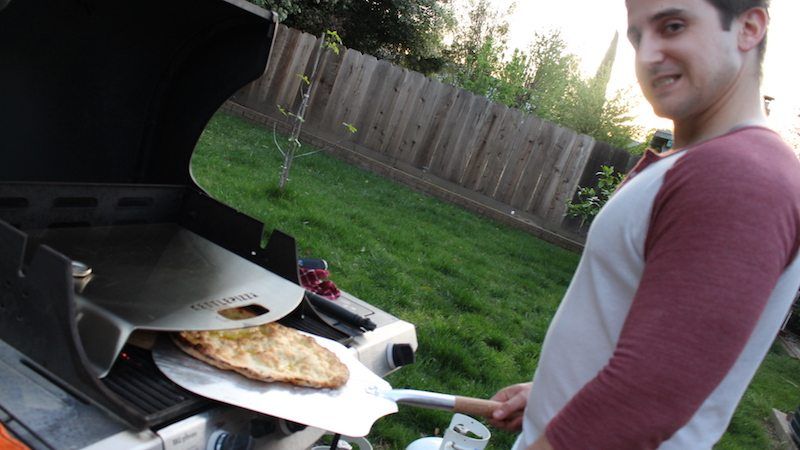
(673, 27)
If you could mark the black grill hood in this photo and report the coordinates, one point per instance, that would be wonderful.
(101, 105)
(119, 91)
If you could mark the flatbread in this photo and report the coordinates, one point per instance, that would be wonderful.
(270, 352)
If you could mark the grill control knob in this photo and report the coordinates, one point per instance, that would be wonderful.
(398, 355)
(222, 440)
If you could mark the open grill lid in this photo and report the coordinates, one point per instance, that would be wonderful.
(101, 105)
(112, 91)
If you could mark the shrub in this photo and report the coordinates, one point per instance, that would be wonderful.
(590, 200)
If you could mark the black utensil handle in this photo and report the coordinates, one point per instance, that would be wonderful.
(339, 312)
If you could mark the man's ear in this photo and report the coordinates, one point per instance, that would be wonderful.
(753, 28)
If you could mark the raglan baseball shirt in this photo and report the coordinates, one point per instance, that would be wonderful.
(687, 274)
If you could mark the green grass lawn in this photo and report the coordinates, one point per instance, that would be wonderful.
(481, 294)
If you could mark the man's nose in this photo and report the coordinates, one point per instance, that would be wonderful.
(650, 51)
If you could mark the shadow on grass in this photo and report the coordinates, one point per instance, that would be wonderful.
(286, 195)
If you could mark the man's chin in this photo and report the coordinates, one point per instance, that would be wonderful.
(666, 111)
(663, 114)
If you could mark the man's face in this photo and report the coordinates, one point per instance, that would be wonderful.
(686, 63)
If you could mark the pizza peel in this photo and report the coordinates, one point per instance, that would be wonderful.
(350, 410)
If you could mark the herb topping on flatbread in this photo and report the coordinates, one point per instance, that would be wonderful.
(270, 352)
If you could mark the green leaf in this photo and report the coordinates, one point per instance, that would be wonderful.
(332, 41)
(333, 36)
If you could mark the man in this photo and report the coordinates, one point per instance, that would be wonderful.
(690, 268)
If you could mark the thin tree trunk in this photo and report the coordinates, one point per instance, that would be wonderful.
(288, 157)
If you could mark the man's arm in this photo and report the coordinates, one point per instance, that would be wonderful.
(715, 248)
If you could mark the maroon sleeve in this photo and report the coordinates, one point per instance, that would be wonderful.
(723, 228)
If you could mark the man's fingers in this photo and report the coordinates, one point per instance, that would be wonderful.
(512, 423)
(501, 396)
(508, 416)
(515, 403)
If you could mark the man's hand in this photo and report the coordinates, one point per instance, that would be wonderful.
(508, 416)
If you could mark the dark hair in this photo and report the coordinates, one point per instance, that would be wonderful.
(731, 9)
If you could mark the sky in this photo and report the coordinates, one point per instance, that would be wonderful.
(588, 26)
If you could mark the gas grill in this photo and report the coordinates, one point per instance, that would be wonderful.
(107, 243)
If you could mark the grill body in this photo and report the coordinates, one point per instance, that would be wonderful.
(103, 102)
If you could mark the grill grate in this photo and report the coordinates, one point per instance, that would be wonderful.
(137, 380)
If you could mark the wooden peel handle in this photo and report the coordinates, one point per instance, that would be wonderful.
(475, 406)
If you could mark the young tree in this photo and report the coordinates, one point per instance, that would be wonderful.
(331, 41)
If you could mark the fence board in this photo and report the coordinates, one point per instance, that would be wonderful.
(404, 109)
(569, 179)
(430, 140)
(277, 56)
(323, 89)
(375, 119)
(531, 176)
(291, 91)
(463, 146)
(291, 61)
(345, 77)
(481, 124)
(365, 118)
(512, 176)
(549, 203)
(453, 127)
(551, 178)
(419, 121)
(511, 138)
(385, 117)
(479, 158)
(502, 150)
(356, 99)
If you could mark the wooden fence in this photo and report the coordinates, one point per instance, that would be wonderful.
(433, 136)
